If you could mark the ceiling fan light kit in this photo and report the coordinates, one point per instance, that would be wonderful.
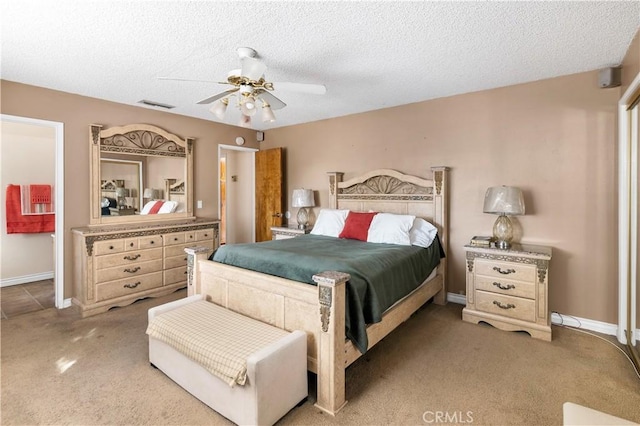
(250, 87)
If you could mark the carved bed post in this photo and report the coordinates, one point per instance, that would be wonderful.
(194, 256)
(441, 213)
(331, 350)
(334, 178)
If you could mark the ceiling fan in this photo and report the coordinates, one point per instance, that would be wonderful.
(251, 89)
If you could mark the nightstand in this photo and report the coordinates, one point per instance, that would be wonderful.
(122, 212)
(284, 232)
(509, 289)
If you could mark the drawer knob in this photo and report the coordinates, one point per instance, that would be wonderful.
(134, 285)
(134, 257)
(504, 287)
(175, 239)
(130, 244)
(110, 247)
(206, 235)
(501, 306)
(153, 242)
(132, 271)
(505, 272)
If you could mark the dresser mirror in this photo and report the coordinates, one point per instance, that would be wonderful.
(139, 173)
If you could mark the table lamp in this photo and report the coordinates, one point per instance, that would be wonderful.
(504, 201)
(303, 199)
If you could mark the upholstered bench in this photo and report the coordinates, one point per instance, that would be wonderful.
(246, 370)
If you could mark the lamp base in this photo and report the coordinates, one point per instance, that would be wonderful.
(503, 245)
(503, 232)
(303, 218)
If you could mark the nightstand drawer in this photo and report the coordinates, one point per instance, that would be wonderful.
(507, 287)
(508, 270)
(513, 307)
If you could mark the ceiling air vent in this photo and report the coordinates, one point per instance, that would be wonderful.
(156, 104)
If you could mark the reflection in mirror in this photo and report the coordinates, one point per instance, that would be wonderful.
(140, 173)
(120, 183)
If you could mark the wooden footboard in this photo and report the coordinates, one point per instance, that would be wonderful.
(319, 311)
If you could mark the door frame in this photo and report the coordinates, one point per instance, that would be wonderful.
(627, 218)
(221, 148)
(58, 267)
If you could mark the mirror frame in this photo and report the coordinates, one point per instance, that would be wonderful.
(139, 139)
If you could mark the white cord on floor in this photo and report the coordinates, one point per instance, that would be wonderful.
(635, 369)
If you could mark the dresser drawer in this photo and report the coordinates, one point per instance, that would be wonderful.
(512, 271)
(190, 237)
(173, 239)
(508, 306)
(124, 271)
(175, 261)
(504, 286)
(127, 258)
(131, 285)
(205, 234)
(131, 244)
(150, 241)
(108, 247)
(175, 275)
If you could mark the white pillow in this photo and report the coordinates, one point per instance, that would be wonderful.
(422, 233)
(147, 207)
(168, 207)
(389, 228)
(330, 222)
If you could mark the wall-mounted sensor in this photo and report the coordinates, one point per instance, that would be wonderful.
(239, 140)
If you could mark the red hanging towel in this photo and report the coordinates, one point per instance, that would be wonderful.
(17, 223)
(40, 198)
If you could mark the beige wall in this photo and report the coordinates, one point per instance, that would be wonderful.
(78, 112)
(27, 156)
(554, 138)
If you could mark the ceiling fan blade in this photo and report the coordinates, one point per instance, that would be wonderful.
(218, 96)
(252, 68)
(313, 89)
(190, 79)
(274, 102)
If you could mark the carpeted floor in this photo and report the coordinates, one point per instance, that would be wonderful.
(60, 369)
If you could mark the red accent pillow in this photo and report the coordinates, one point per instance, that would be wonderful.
(356, 226)
(156, 207)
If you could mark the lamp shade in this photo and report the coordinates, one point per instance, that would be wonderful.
(302, 198)
(148, 193)
(507, 200)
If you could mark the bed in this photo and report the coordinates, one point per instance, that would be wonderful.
(320, 310)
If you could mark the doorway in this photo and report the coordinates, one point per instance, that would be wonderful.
(58, 194)
(236, 189)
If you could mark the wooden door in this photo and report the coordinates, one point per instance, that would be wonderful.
(269, 193)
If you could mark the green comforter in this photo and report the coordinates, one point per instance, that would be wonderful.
(381, 274)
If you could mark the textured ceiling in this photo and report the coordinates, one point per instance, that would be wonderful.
(370, 55)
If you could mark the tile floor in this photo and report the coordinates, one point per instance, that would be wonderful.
(23, 298)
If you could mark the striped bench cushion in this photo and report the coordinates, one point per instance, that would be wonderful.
(218, 339)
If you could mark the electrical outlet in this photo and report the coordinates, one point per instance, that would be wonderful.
(199, 204)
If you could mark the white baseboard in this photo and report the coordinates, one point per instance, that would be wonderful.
(584, 323)
(66, 303)
(460, 299)
(26, 279)
(559, 319)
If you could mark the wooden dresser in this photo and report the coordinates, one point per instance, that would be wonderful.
(115, 265)
(509, 289)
